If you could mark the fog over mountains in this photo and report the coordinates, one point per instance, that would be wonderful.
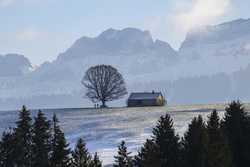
(212, 65)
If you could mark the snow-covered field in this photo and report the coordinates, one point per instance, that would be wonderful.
(103, 129)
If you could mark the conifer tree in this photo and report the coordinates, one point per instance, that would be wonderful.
(195, 144)
(148, 156)
(41, 141)
(237, 127)
(167, 142)
(123, 159)
(96, 161)
(23, 139)
(80, 155)
(218, 150)
(7, 149)
(60, 151)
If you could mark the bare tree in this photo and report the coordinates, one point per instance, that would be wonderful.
(104, 83)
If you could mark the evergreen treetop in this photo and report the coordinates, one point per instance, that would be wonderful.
(60, 151)
(23, 139)
(96, 161)
(218, 154)
(195, 144)
(41, 138)
(123, 159)
(167, 142)
(236, 126)
(148, 156)
(80, 155)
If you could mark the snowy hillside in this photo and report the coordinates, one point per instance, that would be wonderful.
(103, 130)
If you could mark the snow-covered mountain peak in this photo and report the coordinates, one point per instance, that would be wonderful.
(219, 33)
(238, 22)
(227, 39)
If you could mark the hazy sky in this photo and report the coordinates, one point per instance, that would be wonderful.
(41, 29)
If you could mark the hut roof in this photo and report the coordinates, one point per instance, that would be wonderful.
(144, 95)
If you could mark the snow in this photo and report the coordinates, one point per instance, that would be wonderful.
(104, 129)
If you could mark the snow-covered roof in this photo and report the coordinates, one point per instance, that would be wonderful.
(144, 95)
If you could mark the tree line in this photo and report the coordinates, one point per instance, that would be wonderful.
(213, 143)
(42, 143)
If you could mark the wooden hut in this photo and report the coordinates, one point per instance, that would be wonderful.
(143, 99)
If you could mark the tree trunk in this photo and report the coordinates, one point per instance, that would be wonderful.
(103, 104)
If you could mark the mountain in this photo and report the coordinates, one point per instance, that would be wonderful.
(223, 48)
(227, 39)
(129, 41)
(132, 51)
(111, 46)
(13, 65)
(211, 66)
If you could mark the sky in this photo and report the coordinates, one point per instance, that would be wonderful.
(42, 29)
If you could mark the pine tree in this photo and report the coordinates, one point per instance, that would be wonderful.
(123, 159)
(218, 150)
(96, 161)
(236, 125)
(41, 141)
(7, 149)
(148, 156)
(195, 144)
(60, 151)
(80, 155)
(23, 139)
(167, 142)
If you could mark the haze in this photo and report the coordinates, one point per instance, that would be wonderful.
(41, 29)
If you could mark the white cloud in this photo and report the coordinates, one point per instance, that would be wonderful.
(183, 15)
(202, 12)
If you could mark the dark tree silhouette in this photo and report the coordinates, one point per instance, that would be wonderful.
(148, 156)
(236, 126)
(219, 154)
(80, 156)
(123, 159)
(23, 139)
(7, 149)
(195, 144)
(96, 161)
(167, 141)
(60, 152)
(41, 141)
(104, 83)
